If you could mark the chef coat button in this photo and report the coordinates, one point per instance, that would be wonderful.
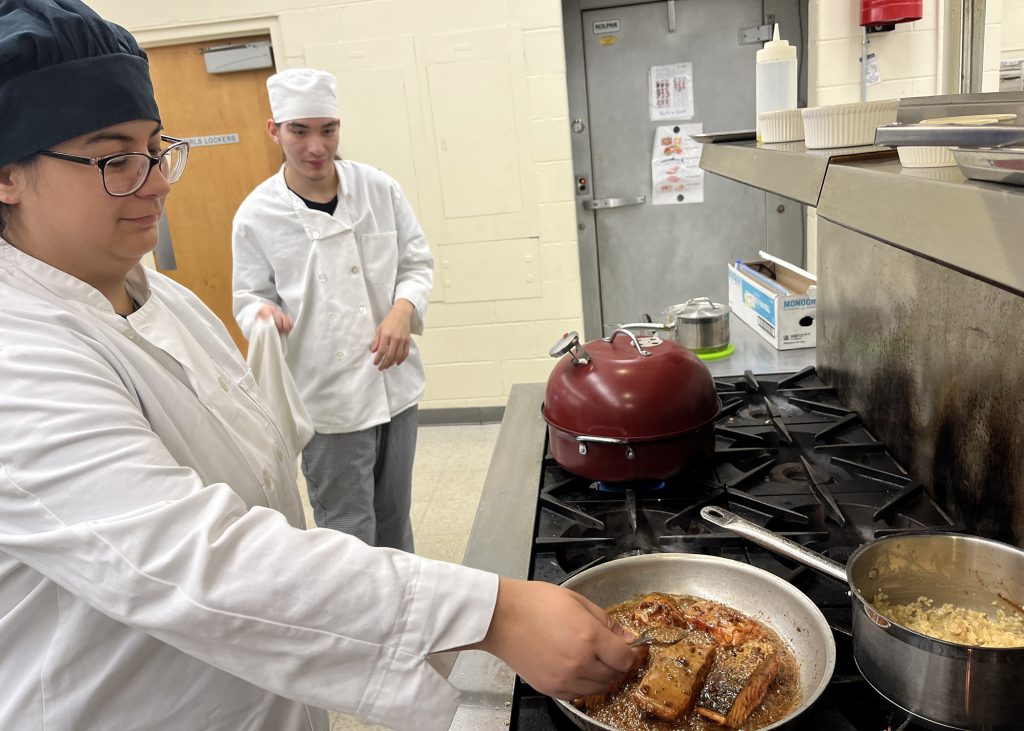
(322, 277)
(222, 382)
(316, 235)
(355, 270)
(339, 355)
(333, 317)
(362, 310)
(266, 479)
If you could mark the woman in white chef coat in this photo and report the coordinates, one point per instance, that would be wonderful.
(153, 568)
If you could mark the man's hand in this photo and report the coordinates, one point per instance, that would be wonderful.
(282, 321)
(391, 342)
(561, 643)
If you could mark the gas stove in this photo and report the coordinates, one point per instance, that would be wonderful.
(788, 456)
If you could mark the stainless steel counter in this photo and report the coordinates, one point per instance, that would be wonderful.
(753, 353)
(502, 535)
(500, 541)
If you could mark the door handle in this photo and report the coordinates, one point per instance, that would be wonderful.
(600, 203)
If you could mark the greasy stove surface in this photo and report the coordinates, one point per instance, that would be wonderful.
(788, 456)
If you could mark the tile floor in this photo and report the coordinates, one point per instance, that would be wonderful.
(448, 476)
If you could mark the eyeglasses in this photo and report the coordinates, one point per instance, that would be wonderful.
(126, 172)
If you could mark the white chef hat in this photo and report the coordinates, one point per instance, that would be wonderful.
(302, 94)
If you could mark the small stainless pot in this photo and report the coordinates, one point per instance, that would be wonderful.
(697, 324)
(700, 324)
(944, 685)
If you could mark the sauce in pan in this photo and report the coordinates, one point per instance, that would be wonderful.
(727, 627)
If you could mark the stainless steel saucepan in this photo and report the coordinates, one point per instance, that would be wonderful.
(698, 324)
(751, 590)
(944, 685)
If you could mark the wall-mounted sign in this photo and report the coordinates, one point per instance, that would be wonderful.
(208, 140)
(671, 91)
(238, 57)
(676, 176)
(606, 26)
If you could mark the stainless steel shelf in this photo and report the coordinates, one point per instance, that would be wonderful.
(788, 169)
(936, 213)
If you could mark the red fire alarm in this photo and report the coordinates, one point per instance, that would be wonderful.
(890, 12)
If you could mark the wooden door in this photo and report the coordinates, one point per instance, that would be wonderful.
(195, 103)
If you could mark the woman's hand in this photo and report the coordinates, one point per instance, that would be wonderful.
(391, 342)
(561, 643)
(283, 323)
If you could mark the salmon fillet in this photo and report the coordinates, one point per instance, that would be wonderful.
(673, 682)
(658, 610)
(738, 682)
(728, 626)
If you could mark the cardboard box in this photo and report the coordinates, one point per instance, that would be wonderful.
(777, 299)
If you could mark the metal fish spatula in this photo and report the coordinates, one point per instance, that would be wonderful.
(664, 636)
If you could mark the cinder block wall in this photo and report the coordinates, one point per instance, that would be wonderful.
(1013, 29)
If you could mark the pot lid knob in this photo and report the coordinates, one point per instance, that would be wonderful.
(570, 343)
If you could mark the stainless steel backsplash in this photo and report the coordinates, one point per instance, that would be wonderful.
(933, 360)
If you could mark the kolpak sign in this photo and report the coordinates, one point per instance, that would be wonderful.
(606, 26)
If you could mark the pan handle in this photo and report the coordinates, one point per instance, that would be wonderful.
(773, 542)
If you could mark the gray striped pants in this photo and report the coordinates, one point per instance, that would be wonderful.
(361, 482)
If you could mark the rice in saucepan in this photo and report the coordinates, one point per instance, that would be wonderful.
(955, 624)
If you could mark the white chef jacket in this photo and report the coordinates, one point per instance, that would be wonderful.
(152, 570)
(337, 277)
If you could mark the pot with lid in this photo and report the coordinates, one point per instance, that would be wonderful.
(623, 408)
(698, 324)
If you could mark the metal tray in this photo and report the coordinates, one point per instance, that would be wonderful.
(746, 135)
(1004, 165)
(934, 135)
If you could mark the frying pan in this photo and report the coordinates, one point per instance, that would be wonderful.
(753, 591)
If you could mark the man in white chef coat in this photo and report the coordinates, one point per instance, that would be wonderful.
(331, 250)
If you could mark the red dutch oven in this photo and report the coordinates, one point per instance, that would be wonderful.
(621, 409)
